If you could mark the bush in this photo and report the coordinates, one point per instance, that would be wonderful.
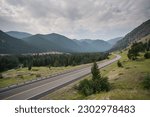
(147, 55)
(85, 87)
(119, 64)
(29, 67)
(49, 66)
(38, 75)
(1, 76)
(95, 85)
(146, 82)
(105, 85)
(20, 76)
(88, 87)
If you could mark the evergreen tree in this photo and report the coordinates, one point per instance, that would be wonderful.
(135, 49)
(30, 65)
(95, 72)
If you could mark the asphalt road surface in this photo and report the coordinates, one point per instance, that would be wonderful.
(41, 88)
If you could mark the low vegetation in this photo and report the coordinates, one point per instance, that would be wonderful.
(95, 85)
(136, 48)
(146, 81)
(21, 75)
(126, 83)
(147, 55)
(119, 64)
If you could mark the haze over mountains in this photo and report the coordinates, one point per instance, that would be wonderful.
(19, 35)
(50, 42)
(20, 42)
(114, 41)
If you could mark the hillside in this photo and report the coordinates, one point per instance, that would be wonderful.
(11, 45)
(114, 41)
(89, 45)
(126, 82)
(135, 35)
(18, 35)
(41, 43)
(64, 43)
(52, 42)
(57, 42)
(145, 39)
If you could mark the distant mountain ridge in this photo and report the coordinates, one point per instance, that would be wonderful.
(47, 43)
(135, 35)
(114, 41)
(19, 35)
(93, 45)
(53, 42)
(11, 45)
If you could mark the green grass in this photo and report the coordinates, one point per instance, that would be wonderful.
(20, 75)
(126, 82)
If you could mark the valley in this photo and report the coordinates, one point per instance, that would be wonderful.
(126, 82)
(53, 66)
(35, 90)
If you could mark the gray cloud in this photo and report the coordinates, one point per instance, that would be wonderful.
(84, 19)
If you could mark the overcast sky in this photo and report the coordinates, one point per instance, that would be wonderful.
(83, 19)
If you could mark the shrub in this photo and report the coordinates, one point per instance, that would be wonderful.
(20, 76)
(85, 87)
(49, 66)
(29, 67)
(38, 75)
(146, 82)
(147, 55)
(1, 76)
(119, 64)
(35, 69)
(105, 85)
(95, 85)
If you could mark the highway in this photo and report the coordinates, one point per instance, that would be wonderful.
(41, 88)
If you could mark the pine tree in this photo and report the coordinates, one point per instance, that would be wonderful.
(95, 72)
(30, 65)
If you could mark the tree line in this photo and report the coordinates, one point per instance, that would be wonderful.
(54, 60)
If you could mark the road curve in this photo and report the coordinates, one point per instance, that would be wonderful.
(38, 89)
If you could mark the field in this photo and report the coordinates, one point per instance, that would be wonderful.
(126, 82)
(20, 75)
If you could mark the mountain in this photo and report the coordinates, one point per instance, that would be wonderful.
(53, 42)
(18, 35)
(48, 43)
(63, 42)
(135, 35)
(11, 45)
(39, 42)
(114, 41)
(89, 45)
(57, 42)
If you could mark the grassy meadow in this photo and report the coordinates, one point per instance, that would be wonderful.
(126, 82)
(20, 75)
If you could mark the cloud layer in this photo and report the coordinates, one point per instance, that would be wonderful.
(102, 19)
